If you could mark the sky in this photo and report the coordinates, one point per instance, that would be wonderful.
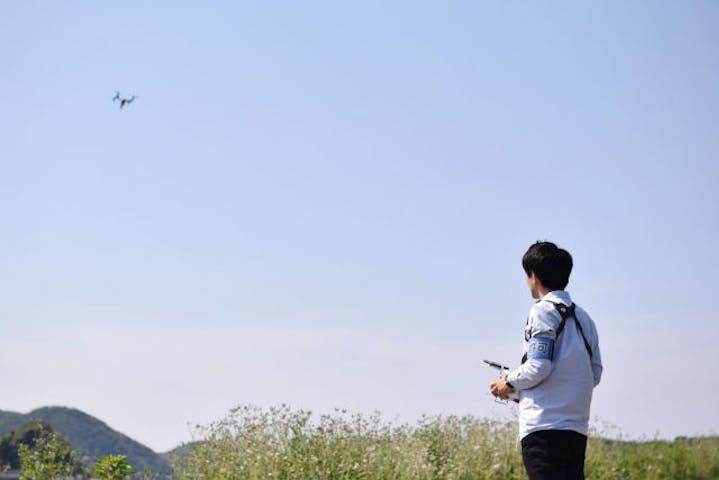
(325, 204)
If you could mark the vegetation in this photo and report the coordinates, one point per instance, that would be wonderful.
(10, 443)
(695, 459)
(43, 454)
(49, 457)
(113, 467)
(90, 436)
(33, 443)
(279, 443)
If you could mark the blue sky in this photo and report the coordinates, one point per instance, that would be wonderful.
(326, 204)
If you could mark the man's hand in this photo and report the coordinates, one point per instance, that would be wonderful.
(500, 389)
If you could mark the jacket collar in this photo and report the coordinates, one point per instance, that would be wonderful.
(558, 296)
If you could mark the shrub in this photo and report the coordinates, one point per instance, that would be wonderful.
(251, 443)
(113, 467)
(50, 457)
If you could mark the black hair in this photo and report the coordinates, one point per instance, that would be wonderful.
(551, 264)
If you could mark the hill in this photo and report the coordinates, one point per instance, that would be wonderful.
(10, 421)
(89, 435)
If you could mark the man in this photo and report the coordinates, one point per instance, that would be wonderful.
(560, 367)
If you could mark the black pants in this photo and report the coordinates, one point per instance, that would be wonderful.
(554, 455)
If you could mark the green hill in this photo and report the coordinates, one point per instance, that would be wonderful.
(89, 435)
(10, 421)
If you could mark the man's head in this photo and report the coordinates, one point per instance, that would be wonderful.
(547, 267)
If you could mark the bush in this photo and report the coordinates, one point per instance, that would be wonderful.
(252, 443)
(113, 467)
(50, 458)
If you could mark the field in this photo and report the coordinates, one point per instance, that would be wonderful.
(252, 443)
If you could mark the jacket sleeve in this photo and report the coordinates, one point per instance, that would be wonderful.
(541, 324)
(597, 367)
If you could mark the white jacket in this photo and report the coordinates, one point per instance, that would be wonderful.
(555, 394)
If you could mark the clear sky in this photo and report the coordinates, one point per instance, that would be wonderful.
(326, 203)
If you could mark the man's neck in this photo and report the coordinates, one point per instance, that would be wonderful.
(542, 292)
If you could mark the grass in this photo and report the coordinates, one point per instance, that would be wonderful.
(685, 459)
(278, 443)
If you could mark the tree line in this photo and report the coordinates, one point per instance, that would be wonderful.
(40, 453)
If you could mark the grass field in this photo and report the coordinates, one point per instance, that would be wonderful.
(278, 443)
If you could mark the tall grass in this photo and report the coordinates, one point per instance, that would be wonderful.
(681, 459)
(279, 443)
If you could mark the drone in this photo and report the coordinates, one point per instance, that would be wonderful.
(123, 101)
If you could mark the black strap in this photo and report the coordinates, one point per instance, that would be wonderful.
(567, 312)
(570, 312)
